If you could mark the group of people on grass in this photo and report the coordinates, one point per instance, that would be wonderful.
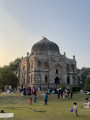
(60, 94)
(35, 98)
(64, 94)
(29, 91)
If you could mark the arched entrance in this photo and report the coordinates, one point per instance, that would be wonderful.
(57, 81)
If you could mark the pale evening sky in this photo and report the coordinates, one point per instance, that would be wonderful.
(65, 22)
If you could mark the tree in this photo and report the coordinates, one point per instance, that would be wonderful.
(14, 65)
(82, 75)
(8, 74)
(87, 84)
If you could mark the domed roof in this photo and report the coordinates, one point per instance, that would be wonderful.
(45, 45)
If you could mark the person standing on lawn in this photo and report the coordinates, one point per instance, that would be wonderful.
(30, 101)
(58, 93)
(35, 98)
(46, 98)
(75, 108)
(71, 94)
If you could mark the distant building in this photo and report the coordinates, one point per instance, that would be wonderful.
(46, 67)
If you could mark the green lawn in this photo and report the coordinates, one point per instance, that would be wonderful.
(55, 110)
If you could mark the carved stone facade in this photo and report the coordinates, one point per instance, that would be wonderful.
(46, 67)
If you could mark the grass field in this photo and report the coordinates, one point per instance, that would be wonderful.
(55, 110)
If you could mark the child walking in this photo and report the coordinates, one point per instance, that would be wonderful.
(75, 108)
(30, 101)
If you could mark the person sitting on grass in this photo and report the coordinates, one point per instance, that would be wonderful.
(87, 99)
(89, 103)
(2, 111)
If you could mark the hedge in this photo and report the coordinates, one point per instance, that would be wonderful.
(75, 89)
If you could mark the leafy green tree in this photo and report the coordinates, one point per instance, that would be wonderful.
(8, 74)
(82, 75)
(87, 84)
(14, 65)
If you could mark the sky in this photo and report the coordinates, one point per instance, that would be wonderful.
(25, 22)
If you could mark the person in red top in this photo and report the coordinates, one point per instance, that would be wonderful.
(35, 92)
(30, 101)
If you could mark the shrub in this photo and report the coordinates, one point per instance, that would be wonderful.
(75, 89)
(62, 86)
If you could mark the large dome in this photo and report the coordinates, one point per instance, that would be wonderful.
(44, 46)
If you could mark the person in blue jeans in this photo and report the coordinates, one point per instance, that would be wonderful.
(35, 97)
(75, 108)
(46, 98)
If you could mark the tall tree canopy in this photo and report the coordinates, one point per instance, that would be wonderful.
(87, 84)
(83, 73)
(8, 74)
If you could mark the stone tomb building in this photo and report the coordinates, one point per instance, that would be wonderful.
(46, 67)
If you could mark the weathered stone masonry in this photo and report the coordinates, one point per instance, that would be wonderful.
(46, 67)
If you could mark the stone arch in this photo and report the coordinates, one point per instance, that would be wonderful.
(57, 81)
